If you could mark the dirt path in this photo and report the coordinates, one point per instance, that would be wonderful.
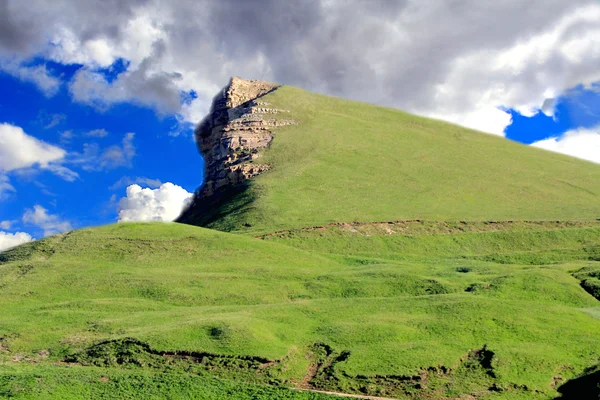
(347, 395)
(419, 227)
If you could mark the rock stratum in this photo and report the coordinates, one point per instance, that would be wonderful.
(233, 136)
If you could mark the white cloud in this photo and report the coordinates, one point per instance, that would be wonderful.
(49, 223)
(9, 240)
(50, 121)
(23, 153)
(162, 204)
(19, 150)
(526, 76)
(63, 172)
(146, 85)
(580, 143)
(140, 180)
(98, 133)
(5, 187)
(93, 158)
(5, 224)
(38, 75)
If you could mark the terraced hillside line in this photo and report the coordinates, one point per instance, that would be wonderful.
(417, 227)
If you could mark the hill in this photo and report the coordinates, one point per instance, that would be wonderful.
(370, 253)
(343, 161)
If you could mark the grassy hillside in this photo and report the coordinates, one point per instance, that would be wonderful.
(429, 311)
(383, 254)
(347, 161)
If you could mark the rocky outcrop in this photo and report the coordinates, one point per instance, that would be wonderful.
(235, 133)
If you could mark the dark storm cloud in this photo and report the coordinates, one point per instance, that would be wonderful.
(15, 35)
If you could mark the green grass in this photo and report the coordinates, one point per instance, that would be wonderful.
(397, 304)
(84, 383)
(383, 254)
(348, 161)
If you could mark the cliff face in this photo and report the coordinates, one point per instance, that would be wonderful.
(234, 134)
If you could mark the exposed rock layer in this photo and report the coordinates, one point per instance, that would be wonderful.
(235, 132)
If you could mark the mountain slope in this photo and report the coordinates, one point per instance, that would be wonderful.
(345, 161)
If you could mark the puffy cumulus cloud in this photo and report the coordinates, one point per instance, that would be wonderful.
(580, 143)
(162, 204)
(463, 61)
(9, 240)
(49, 223)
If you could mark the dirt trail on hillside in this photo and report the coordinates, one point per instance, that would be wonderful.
(414, 227)
(348, 395)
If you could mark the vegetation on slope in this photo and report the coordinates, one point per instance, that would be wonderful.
(429, 315)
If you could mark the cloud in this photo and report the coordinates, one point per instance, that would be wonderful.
(50, 121)
(19, 150)
(145, 86)
(5, 224)
(464, 61)
(50, 224)
(128, 180)
(94, 158)
(37, 75)
(580, 143)
(22, 152)
(62, 172)
(68, 135)
(5, 187)
(162, 204)
(98, 133)
(9, 240)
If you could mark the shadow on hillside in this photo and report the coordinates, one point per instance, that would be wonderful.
(228, 202)
(584, 387)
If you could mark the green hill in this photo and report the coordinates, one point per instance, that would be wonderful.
(373, 253)
(346, 161)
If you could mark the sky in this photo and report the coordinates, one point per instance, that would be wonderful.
(99, 97)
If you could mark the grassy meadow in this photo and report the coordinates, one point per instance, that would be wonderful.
(393, 315)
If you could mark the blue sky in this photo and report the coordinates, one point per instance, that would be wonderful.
(164, 152)
(99, 100)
